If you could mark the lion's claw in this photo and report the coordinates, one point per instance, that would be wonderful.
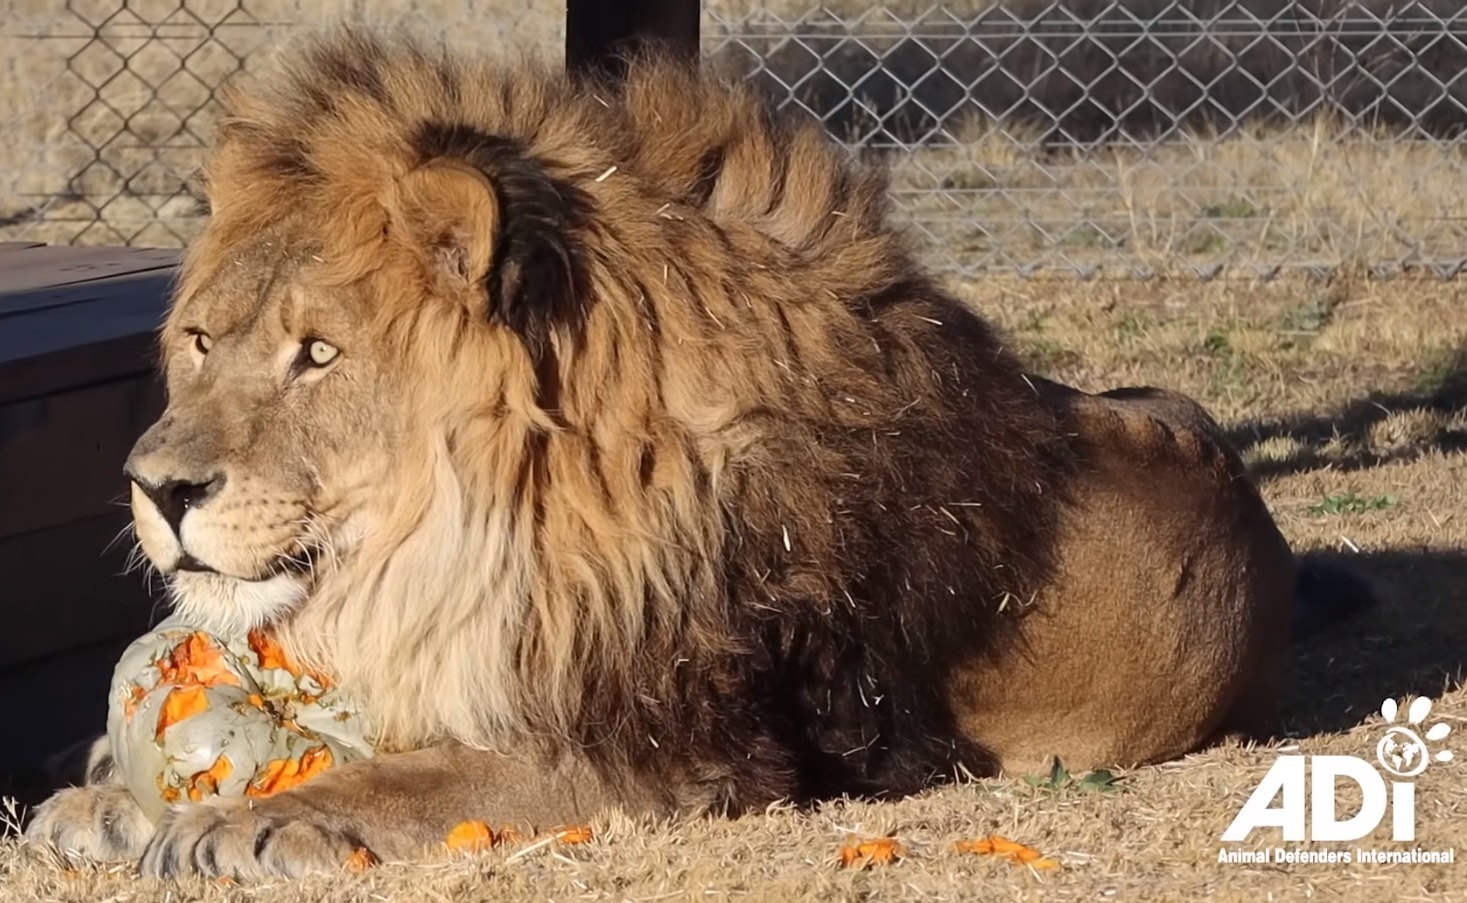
(231, 839)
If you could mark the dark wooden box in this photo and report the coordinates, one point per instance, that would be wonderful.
(77, 387)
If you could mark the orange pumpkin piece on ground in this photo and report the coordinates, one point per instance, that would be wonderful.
(283, 774)
(206, 783)
(575, 834)
(181, 703)
(196, 662)
(866, 853)
(360, 860)
(471, 837)
(996, 845)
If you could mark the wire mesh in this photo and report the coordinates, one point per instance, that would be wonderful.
(110, 103)
(1078, 136)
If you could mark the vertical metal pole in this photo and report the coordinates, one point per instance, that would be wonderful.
(599, 32)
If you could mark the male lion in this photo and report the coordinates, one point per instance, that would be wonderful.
(608, 446)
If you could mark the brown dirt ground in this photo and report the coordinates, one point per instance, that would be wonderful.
(1347, 398)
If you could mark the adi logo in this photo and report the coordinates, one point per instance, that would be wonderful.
(1307, 786)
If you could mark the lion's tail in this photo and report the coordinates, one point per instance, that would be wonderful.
(1325, 594)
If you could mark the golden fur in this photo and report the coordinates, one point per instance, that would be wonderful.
(614, 427)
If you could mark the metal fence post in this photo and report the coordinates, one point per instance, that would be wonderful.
(599, 32)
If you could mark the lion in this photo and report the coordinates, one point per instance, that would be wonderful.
(609, 445)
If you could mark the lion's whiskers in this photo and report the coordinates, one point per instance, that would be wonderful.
(126, 529)
(136, 561)
(154, 583)
(316, 539)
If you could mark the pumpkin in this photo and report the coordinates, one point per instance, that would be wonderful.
(192, 714)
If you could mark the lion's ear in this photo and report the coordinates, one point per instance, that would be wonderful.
(493, 215)
(450, 211)
(537, 284)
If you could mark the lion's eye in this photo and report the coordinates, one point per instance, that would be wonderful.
(321, 353)
(202, 343)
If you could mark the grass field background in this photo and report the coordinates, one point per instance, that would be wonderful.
(107, 106)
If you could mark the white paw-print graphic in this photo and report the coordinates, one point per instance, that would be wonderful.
(1402, 751)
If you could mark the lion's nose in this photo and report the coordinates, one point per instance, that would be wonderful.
(175, 497)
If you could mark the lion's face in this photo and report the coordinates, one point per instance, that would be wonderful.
(279, 435)
(327, 367)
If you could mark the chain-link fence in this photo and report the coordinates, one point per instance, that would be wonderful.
(1079, 136)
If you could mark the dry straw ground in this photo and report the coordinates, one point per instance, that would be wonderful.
(1348, 398)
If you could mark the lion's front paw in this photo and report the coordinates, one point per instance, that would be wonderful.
(236, 839)
(99, 821)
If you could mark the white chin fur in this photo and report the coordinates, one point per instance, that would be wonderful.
(230, 607)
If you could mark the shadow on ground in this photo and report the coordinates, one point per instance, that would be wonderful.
(1414, 642)
(1349, 438)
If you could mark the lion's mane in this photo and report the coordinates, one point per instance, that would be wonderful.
(724, 487)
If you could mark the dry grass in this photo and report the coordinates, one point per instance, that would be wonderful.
(1348, 399)
(1318, 193)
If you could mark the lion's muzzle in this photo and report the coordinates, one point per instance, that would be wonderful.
(198, 507)
(175, 497)
(228, 538)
